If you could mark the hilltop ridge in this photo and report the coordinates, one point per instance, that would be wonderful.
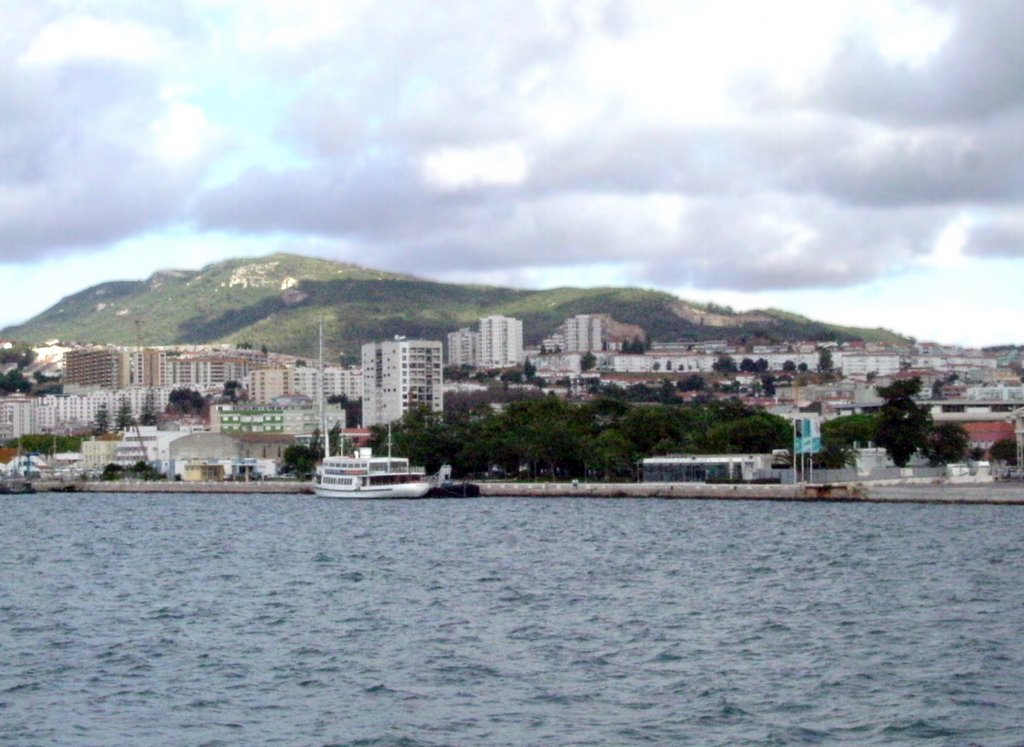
(278, 300)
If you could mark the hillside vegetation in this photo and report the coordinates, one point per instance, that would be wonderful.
(278, 301)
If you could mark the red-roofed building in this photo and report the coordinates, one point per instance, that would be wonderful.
(983, 435)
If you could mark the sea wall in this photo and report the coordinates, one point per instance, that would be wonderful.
(282, 487)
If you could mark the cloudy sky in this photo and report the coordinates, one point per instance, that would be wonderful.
(859, 161)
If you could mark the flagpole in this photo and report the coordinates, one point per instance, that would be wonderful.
(794, 451)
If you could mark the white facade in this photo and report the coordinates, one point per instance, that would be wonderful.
(266, 384)
(583, 333)
(958, 363)
(55, 413)
(501, 342)
(401, 375)
(880, 364)
(17, 416)
(146, 444)
(208, 373)
(463, 347)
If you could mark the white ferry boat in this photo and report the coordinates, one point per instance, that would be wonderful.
(363, 475)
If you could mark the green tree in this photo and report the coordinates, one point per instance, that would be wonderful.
(903, 425)
(612, 455)
(101, 424)
(185, 402)
(300, 460)
(724, 364)
(824, 360)
(852, 430)
(760, 433)
(124, 419)
(14, 381)
(148, 414)
(587, 361)
(692, 383)
(789, 367)
(948, 443)
(231, 390)
(1004, 450)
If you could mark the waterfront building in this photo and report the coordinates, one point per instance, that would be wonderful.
(146, 443)
(401, 375)
(98, 452)
(706, 467)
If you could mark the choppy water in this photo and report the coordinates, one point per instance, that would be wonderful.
(189, 620)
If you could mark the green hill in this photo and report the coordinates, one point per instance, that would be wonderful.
(278, 300)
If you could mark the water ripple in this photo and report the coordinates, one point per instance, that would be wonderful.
(238, 620)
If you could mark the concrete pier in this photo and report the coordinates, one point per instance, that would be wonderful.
(1007, 493)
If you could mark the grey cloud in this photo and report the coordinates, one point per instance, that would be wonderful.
(1001, 235)
(977, 74)
(78, 169)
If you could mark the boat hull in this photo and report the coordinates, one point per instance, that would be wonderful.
(401, 490)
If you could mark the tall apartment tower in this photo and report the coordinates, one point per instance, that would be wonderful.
(104, 368)
(501, 342)
(583, 333)
(399, 376)
(463, 347)
(150, 367)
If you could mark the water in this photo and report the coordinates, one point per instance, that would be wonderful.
(242, 620)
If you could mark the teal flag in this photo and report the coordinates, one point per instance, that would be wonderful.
(806, 436)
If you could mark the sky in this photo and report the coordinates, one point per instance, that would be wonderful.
(857, 161)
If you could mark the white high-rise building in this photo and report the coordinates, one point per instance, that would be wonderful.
(463, 347)
(501, 342)
(583, 333)
(399, 376)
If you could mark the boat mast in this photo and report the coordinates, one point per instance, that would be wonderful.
(323, 397)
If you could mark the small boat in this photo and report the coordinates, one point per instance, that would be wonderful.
(16, 487)
(363, 475)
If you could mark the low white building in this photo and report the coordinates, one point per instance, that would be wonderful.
(706, 467)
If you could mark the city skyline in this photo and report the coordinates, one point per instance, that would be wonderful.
(856, 162)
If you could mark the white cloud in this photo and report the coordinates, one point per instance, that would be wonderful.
(76, 38)
(183, 133)
(727, 145)
(466, 168)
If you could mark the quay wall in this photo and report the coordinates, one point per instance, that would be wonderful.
(283, 487)
(933, 492)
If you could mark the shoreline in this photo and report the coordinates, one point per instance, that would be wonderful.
(946, 492)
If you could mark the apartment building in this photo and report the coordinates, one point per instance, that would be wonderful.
(267, 384)
(273, 420)
(463, 347)
(401, 375)
(501, 342)
(206, 373)
(96, 368)
(65, 413)
(584, 333)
